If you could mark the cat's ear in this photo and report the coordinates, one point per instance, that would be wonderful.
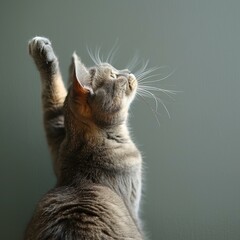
(79, 75)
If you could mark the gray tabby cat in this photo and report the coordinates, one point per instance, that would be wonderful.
(97, 165)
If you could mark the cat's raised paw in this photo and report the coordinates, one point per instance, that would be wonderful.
(41, 50)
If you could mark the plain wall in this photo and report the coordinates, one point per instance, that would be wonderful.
(192, 160)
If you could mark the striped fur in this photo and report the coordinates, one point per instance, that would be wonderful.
(98, 167)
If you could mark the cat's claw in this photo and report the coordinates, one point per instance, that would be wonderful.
(41, 50)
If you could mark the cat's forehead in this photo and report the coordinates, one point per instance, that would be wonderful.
(106, 66)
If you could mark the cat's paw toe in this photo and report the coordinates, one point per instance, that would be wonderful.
(37, 44)
(40, 48)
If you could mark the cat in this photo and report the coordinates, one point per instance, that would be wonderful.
(97, 165)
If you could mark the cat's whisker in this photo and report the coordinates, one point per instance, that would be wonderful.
(141, 80)
(156, 89)
(160, 89)
(161, 79)
(165, 91)
(142, 69)
(149, 94)
(173, 92)
(155, 113)
(156, 99)
(140, 76)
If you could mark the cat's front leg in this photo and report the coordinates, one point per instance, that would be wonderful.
(53, 92)
(53, 88)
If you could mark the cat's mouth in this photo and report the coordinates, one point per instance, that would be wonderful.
(132, 81)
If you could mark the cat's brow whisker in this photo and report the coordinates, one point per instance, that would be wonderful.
(90, 53)
(111, 60)
(133, 62)
(97, 56)
(112, 52)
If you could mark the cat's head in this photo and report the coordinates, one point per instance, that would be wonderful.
(100, 95)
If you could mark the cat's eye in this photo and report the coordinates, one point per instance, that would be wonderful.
(113, 75)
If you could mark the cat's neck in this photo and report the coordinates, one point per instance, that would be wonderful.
(92, 135)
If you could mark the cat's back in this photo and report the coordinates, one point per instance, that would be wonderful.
(94, 212)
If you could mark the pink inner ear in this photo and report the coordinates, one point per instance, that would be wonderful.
(81, 73)
(78, 89)
(76, 81)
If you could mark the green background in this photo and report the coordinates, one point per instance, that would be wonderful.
(192, 160)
